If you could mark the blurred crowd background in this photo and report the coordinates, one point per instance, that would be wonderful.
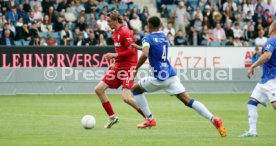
(83, 22)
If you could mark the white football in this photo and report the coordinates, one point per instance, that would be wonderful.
(88, 122)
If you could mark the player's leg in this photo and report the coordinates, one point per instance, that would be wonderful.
(257, 97)
(274, 105)
(176, 88)
(127, 98)
(109, 81)
(145, 85)
(100, 91)
(127, 83)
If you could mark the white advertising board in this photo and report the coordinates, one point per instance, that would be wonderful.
(207, 57)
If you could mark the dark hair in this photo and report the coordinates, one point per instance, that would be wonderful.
(154, 21)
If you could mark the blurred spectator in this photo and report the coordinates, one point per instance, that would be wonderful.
(52, 15)
(189, 7)
(46, 4)
(31, 17)
(202, 4)
(43, 42)
(169, 29)
(80, 41)
(104, 11)
(137, 37)
(180, 38)
(239, 14)
(250, 35)
(229, 3)
(207, 13)
(228, 30)
(12, 4)
(35, 41)
(58, 26)
(37, 13)
(134, 11)
(135, 23)
(27, 6)
(69, 16)
(102, 22)
(22, 14)
(25, 33)
(81, 23)
(12, 15)
(89, 5)
(7, 40)
(237, 42)
(51, 41)
(198, 14)
(197, 23)
(260, 40)
(2, 21)
(270, 7)
(178, 17)
(144, 16)
(33, 31)
(249, 15)
(258, 14)
(92, 23)
(229, 42)
(228, 15)
(219, 33)
(91, 41)
(259, 3)
(62, 6)
(207, 37)
(248, 7)
(11, 27)
(6, 27)
(78, 7)
(19, 29)
(170, 39)
(66, 36)
(34, 3)
(101, 41)
(98, 31)
(238, 33)
(256, 55)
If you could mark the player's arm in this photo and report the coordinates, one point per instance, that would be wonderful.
(144, 55)
(137, 47)
(263, 59)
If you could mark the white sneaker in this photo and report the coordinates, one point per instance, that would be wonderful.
(249, 134)
(111, 122)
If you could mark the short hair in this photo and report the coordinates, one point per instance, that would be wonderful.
(154, 21)
(115, 15)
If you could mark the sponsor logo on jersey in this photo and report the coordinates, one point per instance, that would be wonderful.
(117, 44)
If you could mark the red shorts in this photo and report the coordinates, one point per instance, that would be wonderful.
(114, 78)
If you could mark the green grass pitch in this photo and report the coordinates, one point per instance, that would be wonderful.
(28, 120)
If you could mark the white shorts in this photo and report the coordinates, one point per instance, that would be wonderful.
(265, 92)
(171, 85)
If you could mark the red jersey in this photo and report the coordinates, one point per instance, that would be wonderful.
(127, 57)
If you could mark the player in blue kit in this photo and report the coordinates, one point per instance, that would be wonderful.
(266, 88)
(155, 48)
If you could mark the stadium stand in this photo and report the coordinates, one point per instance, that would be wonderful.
(189, 17)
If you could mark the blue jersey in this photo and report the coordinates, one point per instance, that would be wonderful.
(158, 50)
(269, 68)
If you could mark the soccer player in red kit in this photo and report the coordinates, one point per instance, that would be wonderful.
(119, 72)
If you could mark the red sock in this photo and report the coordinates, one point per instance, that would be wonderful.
(141, 112)
(108, 108)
